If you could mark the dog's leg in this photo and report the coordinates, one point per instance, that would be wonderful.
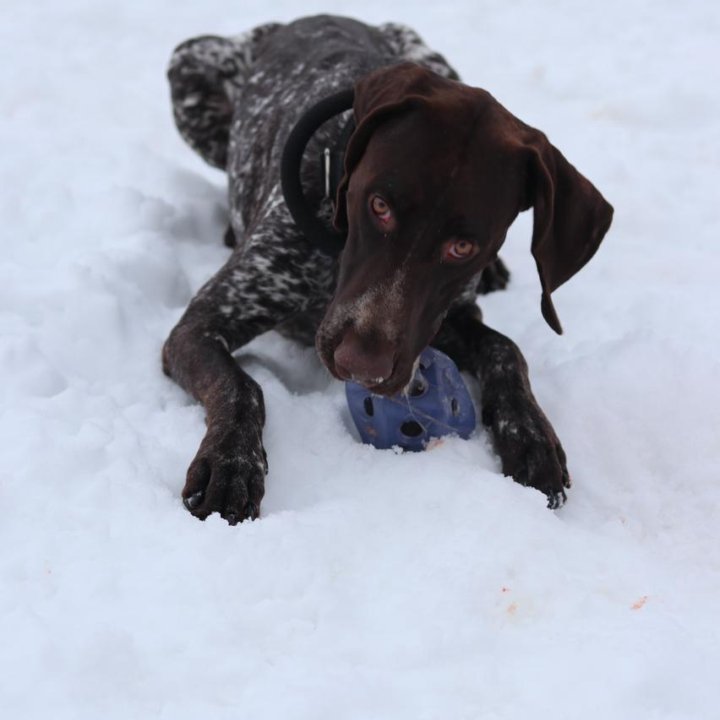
(206, 74)
(256, 290)
(522, 435)
(495, 276)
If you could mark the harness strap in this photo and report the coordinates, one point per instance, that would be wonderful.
(314, 229)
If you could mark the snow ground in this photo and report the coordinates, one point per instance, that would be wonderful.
(376, 585)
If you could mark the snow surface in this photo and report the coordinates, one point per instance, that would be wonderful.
(376, 585)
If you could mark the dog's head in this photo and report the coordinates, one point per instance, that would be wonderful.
(435, 174)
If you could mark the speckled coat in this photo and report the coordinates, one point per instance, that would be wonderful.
(235, 101)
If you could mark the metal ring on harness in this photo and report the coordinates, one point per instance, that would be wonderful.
(305, 218)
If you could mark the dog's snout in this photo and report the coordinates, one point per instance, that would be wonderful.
(365, 361)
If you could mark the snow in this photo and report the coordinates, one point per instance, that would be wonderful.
(376, 584)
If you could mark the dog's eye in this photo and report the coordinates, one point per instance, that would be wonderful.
(380, 208)
(459, 249)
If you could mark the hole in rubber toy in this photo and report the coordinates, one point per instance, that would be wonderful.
(412, 429)
(368, 406)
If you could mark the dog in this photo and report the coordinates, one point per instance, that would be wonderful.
(435, 172)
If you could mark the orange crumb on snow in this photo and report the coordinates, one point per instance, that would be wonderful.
(512, 608)
(639, 603)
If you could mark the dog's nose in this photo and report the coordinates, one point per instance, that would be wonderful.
(365, 361)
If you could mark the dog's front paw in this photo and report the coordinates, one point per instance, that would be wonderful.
(530, 451)
(545, 468)
(227, 475)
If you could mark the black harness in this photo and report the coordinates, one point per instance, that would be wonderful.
(332, 161)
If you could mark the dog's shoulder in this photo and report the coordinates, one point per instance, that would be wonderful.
(289, 68)
(407, 45)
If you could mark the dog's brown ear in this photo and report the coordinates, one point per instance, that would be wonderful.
(570, 220)
(384, 93)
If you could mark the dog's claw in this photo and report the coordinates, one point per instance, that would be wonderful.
(556, 500)
(194, 500)
(229, 237)
(250, 513)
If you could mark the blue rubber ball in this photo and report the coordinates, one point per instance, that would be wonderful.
(435, 403)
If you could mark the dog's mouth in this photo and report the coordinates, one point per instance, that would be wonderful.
(398, 378)
(387, 387)
(383, 366)
(400, 369)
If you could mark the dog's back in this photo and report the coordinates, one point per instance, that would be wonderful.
(237, 99)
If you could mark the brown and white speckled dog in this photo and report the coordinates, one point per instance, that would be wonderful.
(435, 173)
